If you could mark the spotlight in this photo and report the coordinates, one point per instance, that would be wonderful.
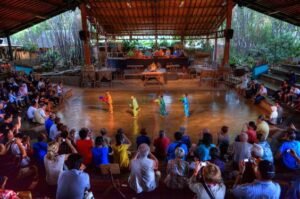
(181, 4)
(128, 4)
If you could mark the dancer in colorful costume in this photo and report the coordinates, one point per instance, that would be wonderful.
(135, 106)
(186, 105)
(162, 105)
(108, 100)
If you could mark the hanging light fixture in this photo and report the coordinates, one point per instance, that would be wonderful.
(181, 4)
(128, 4)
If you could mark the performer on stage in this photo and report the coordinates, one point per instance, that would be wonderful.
(162, 105)
(186, 105)
(108, 100)
(135, 106)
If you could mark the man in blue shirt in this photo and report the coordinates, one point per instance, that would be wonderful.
(48, 123)
(177, 143)
(74, 182)
(285, 151)
(262, 187)
(143, 138)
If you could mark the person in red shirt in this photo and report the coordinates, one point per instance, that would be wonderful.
(250, 129)
(161, 145)
(84, 146)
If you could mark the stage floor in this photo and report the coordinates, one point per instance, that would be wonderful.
(209, 109)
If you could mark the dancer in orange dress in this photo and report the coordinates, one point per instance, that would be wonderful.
(108, 100)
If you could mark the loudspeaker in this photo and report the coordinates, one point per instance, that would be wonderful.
(83, 35)
(228, 33)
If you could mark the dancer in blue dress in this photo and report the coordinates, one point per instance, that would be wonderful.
(186, 106)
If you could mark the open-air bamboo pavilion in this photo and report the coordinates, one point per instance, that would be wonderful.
(188, 19)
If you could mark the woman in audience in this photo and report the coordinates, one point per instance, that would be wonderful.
(215, 159)
(206, 182)
(177, 171)
(223, 141)
(54, 163)
(204, 147)
(161, 145)
(241, 149)
(100, 152)
(262, 187)
(250, 129)
(267, 152)
(120, 150)
(84, 146)
(143, 138)
(40, 148)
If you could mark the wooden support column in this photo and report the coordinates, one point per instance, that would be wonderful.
(216, 47)
(106, 50)
(228, 26)
(86, 46)
(10, 52)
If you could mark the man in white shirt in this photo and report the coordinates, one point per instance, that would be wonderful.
(40, 114)
(31, 110)
(142, 175)
(54, 130)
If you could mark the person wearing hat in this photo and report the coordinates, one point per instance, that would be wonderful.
(285, 151)
(177, 171)
(262, 126)
(206, 182)
(262, 186)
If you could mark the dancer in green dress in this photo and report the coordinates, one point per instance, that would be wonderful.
(162, 105)
(135, 106)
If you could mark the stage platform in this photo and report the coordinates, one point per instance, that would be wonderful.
(210, 108)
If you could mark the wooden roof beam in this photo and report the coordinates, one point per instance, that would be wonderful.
(21, 10)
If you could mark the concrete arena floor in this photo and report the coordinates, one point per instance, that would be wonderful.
(210, 108)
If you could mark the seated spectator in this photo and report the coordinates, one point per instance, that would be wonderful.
(185, 138)
(261, 94)
(73, 183)
(54, 130)
(256, 154)
(273, 116)
(66, 145)
(54, 163)
(143, 138)
(223, 141)
(241, 149)
(177, 170)
(262, 187)
(267, 152)
(293, 95)
(49, 122)
(40, 148)
(120, 150)
(84, 146)
(284, 152)
(177, 143)
(107, 139)
(26, 169)
(203, 149)
(142, 170)
(206, 182)
(161, 145)
(31, 110)
(250, 129)
(215, 159)
(252, 89)
(40, 114)
(100, 152)
(262, 127)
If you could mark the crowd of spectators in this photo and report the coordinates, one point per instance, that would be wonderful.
(205, 167)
